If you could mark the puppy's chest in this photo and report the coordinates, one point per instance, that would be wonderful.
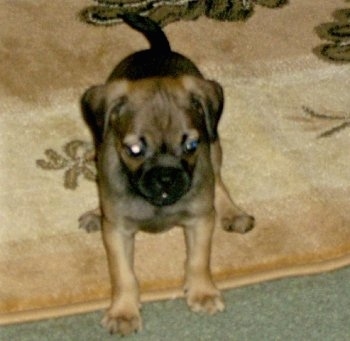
(159, 219)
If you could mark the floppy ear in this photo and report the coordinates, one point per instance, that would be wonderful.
(97, 104)
(209, 95)
(94, 107)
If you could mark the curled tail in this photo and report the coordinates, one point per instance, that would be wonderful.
(150, 29)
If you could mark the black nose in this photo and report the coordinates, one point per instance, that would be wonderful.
(164, 185)
(165, 176)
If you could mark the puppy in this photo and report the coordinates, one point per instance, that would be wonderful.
(155, 126)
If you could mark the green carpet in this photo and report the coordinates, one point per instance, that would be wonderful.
(302, 308)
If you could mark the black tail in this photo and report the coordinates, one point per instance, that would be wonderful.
(150, 29)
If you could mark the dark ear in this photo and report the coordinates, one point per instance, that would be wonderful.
(213, 107)
(210, 96)
(94, 108)
(97, 104)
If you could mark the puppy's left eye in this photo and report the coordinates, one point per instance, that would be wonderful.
(190, 146)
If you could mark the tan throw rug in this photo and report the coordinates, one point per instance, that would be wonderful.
(285, 132)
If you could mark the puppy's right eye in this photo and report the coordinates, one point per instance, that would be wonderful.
(137, 149)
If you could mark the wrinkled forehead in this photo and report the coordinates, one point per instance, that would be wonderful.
(158, 94)
(159, 108)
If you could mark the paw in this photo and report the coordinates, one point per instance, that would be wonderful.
(122, 322)
(90, 221)
(209, 302)
(242, 223)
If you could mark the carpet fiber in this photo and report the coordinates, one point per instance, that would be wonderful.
(285, 134)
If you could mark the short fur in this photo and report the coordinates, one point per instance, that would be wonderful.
(155, 126)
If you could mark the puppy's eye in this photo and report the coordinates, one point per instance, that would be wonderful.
(136, 150)
(190, 146)
(196, 104)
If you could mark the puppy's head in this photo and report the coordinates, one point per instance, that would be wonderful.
(160, 127)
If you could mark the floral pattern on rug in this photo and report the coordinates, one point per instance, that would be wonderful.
(107, 12)
(338, 35)
(77, 159)
(330, 123)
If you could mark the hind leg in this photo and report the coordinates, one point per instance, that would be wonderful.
(91, 221)
(228, 215)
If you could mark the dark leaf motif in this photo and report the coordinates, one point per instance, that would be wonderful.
(341, 121)
(71, 177)
(271, 3)
(54, 160)
(335, 129)
(89, 173)
(72, 148)
(107, 12)
(338, 35)
(80, 160)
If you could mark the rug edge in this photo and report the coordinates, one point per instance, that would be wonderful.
(258, 277)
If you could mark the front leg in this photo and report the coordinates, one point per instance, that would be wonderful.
(201, 293)
(123, 316)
